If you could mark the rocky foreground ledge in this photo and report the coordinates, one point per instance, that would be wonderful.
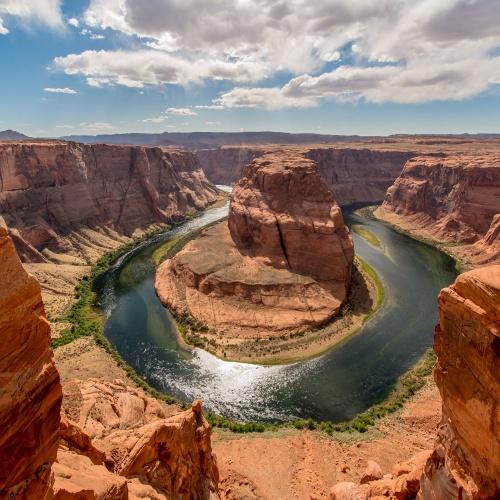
(282, 263)
(107, 441)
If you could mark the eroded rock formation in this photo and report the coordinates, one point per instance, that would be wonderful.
(115, 434)
(282, 262)
(30, 391)
(112, 441)
(51, 191)
(466, 461)
(453, 199)
(355, 175)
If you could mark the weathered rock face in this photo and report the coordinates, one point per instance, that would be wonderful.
(30, 391)
(359, 175)
(452, 198)
(354, 175)
(283, 261)
(49, 190)
(282, 211)
(466, 461)
(225, 165)
(116, 435)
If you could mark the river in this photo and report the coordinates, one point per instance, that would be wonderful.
(335, 386)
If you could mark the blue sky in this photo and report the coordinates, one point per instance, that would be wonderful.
(337, 66)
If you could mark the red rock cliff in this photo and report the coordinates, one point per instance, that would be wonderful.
(282, 210)
(354, 175)
(282, 262)
(466, 461)
(30, 390)
(359, 175)
(51, 189)
(453, 199)
(225, 165)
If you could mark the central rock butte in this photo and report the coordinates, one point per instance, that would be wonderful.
(281, 263)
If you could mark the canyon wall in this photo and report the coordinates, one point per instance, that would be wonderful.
(359, 175)
(50, 191)
(354, 175)
(30, 391)
(466, 461)
(225, 165)
(454, 199)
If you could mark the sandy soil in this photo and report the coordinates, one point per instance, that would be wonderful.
(306, 464)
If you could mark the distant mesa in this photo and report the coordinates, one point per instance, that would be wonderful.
(282, 262)
(12, 135)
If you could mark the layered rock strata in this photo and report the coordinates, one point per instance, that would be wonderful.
(359, 175)
(225, 165)
(115, 441)
(112, 441)
(30, 391)
(466, 460)
(283, 261)
(355, 175)
(50, 192)
(454, 199)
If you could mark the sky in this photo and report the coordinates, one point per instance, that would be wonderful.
(368, 67)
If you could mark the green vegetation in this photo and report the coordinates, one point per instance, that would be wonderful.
(407, 386)
(372, 274)
(83, 315)
(367, 235)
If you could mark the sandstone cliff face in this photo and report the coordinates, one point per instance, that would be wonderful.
(282, 262)
(354, 175)
(49, 190)
(452, 198)
(225, 165)
(118, 443)
(112, 442)
(466, 461)
(359, 175)
(30, 391)
(282, 211)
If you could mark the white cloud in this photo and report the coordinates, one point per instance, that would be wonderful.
(151, 67)
(73, 21)
(400, 51)
(97, 126)
(64, 90)
(44, 12)
(65, 126)
(269, 98)
(209, 106)
(181, 111)
(3, 29)
(155, 119)
(94, 36)
(212, 123)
